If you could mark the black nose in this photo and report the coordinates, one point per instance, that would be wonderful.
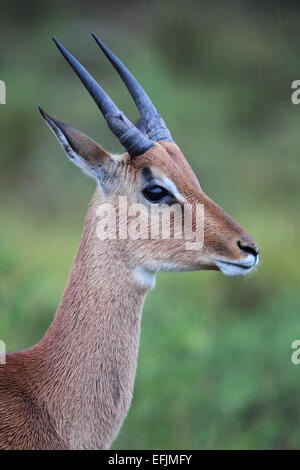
(249, 247)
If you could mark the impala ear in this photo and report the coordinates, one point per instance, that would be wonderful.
(81, 149)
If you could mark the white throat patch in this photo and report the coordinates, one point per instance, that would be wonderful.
(144, 277)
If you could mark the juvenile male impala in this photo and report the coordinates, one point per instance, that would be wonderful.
(73, 389)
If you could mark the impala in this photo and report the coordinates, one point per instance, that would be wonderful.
(73, 389)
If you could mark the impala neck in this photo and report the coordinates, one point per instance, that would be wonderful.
(89, 353)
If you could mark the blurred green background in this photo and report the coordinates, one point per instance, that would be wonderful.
(214, 364)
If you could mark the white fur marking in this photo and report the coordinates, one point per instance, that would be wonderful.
(170, 186)
(237, 268)
(144, 277)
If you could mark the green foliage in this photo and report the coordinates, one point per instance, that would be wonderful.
(214, 365)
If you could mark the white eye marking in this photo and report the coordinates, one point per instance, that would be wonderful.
(171, 187)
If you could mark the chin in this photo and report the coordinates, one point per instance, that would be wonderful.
(237, 267)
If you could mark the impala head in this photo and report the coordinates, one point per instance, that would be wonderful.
(153, 172)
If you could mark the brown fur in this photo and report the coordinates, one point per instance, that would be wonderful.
(73, 389)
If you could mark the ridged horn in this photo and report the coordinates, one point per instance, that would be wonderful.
(152, 120)
(128, 135)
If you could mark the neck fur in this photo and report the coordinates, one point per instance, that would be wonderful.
(89, 353)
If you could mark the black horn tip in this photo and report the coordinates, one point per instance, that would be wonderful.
(59, 45)
(44, 115)
(95, 37)
(100, 43)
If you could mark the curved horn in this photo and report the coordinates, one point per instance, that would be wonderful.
(130, 137)
(152, 120)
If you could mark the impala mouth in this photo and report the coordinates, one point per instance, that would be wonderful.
(237, 268)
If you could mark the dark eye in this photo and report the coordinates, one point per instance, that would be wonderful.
(155, 193)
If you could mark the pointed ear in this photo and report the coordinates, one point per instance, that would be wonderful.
(81, 149)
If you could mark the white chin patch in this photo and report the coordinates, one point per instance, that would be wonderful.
(235, 268)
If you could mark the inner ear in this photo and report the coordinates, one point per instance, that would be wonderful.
(84, 146)
(77, 142)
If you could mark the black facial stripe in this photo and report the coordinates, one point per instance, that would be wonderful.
(147, 175)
